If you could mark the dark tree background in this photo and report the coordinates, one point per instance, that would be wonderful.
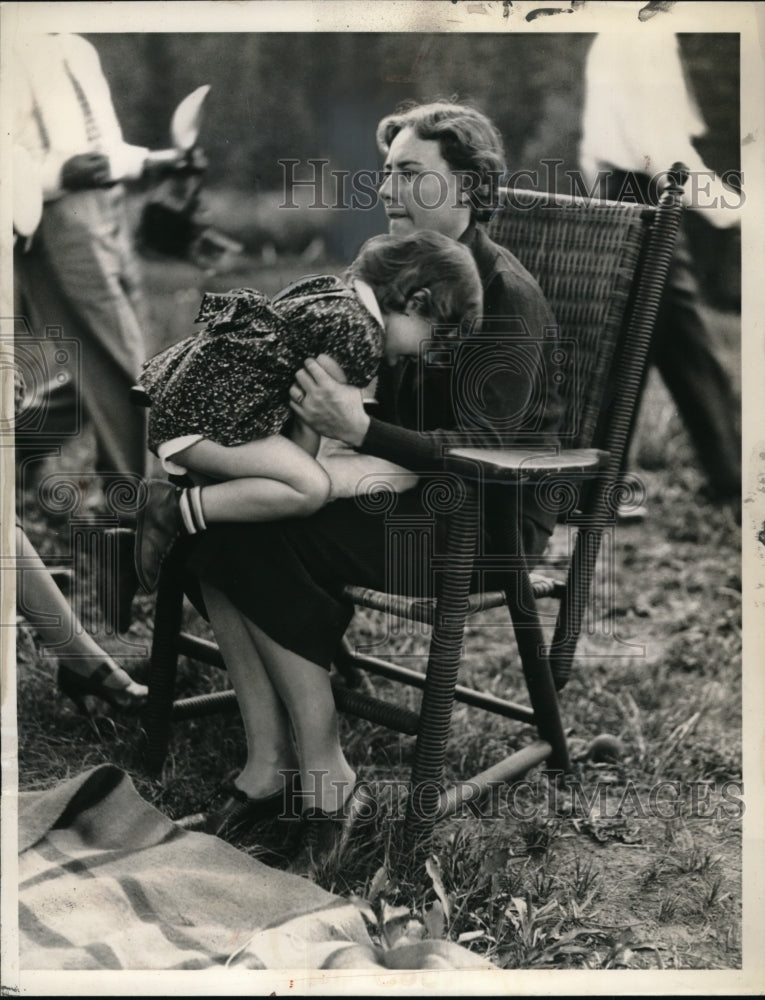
(314, 95)
(319, 94)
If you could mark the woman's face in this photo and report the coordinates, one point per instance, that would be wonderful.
(403, 334)
(420, 190)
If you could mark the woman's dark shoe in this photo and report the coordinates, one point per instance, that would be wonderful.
(327, 833)
(129, 697)
(240, 811)
(158, 526)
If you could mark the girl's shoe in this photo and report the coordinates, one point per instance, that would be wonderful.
(130, 697)
(159, 525)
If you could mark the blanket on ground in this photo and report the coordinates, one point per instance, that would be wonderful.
(106, 881)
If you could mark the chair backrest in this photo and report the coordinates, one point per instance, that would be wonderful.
(603, 267)
(584, 253)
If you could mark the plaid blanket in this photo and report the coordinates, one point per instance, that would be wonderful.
(106, 881)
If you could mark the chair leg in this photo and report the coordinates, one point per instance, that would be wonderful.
(574, 603)
(536, 667)
(162, 668)
(453, 587)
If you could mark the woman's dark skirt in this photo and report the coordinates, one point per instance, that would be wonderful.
(287, 576)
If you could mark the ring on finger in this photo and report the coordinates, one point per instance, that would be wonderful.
(299, 396)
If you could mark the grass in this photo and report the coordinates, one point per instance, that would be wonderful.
(637, 867)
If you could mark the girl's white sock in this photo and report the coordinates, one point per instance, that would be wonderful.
(196, 507)
(190, 503)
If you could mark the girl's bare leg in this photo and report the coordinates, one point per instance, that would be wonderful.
(263, 480)
(266, 724)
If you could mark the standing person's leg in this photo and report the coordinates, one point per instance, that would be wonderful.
(682, 350)
(82, 234)
(43, 331)
(120, 426)
(701, 388)
(130, 270)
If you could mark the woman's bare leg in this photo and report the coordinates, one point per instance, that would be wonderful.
(270, 748)
(282, 697)
(53, 619)
(327, 778)
(262, 480)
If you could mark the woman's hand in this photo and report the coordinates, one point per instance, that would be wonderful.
(326, 404)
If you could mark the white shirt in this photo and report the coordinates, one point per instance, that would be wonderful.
(49, 121)
(27, 193)
(639, 115)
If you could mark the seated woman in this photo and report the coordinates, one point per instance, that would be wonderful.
(273, 591)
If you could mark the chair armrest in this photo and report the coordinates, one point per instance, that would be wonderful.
(524, 464)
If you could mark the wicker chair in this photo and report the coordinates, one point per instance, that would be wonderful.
(602, 266)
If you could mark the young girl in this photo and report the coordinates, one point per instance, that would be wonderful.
(220, 400)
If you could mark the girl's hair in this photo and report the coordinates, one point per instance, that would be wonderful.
(469, 142)
(441, 270)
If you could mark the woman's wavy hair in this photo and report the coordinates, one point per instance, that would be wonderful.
(469, 142)
(433, 274)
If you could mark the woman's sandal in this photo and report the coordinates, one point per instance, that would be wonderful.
(131, 697)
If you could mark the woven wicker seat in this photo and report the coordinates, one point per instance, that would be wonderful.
(602, 267)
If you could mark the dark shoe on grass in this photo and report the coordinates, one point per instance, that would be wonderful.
(325, 834)
(127, 697)
(239, 811)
